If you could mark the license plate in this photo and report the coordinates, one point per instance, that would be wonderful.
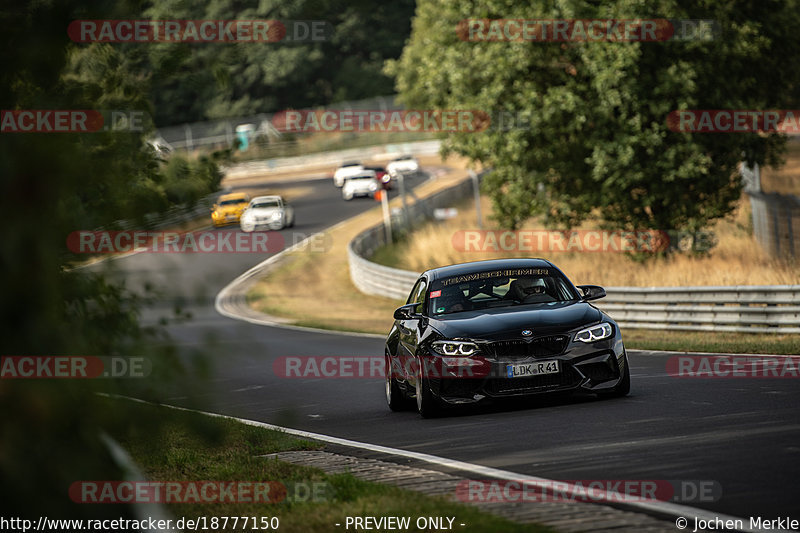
(532, 369)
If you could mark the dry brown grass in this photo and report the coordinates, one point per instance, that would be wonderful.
(736, 260)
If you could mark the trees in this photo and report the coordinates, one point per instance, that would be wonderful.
(595, 144)
(53, 184)
(205, 81)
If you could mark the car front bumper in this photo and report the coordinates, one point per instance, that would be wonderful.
(594, 367)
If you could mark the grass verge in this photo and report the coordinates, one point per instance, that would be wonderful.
(195, 447)
(711, 341)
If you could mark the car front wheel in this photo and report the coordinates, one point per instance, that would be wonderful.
(394, 396)
(624, 386)
(427, 404)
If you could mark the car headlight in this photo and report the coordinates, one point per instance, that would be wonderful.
(276, 215)
(455, 348)
(595, 333)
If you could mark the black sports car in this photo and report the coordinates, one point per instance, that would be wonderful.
(500, 328)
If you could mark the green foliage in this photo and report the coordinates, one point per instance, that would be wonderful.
(203, 81)
(597, 145)
(53, 184)
(186, 181)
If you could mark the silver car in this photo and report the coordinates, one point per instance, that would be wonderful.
(363, 184)
(270, 212)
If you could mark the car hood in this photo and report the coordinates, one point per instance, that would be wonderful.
(264, 211)
(362, 184)
(230, 209)
(508, 322)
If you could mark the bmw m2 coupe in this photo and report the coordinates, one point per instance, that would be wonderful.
(478, 331)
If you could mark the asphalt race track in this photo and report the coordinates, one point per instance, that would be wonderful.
(742, 433)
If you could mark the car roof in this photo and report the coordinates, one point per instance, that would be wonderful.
(263, 198)
(491, 264)
(233, 196)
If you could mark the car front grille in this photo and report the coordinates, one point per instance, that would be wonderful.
(544, 346)
(566, 379)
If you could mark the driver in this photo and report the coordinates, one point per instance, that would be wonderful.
(525, 290)
(452, 301)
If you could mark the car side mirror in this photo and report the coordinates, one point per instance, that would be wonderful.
(592, 292)
(406, 312)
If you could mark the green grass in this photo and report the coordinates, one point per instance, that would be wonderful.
(711, 341)
(192, 446)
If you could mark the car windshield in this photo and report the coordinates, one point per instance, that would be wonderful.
(501, 288)
(235, 201)
(262, 204)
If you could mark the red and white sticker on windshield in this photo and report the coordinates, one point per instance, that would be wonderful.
(436, 294)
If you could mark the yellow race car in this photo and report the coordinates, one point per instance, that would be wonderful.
(229, 209)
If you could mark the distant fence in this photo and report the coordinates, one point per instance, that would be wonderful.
(748, 309)
(332, 158)
(776, 223)
(221, 133)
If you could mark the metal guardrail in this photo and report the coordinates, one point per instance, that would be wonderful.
(372, 278)
(740, 308)
(744, 308)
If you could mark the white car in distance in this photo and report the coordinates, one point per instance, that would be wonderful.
(350, 168)
(270, 212)
(405, 164)
(363, 184)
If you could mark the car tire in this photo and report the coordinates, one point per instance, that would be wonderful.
(623, 388)
(394, 396)
(427, 404)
